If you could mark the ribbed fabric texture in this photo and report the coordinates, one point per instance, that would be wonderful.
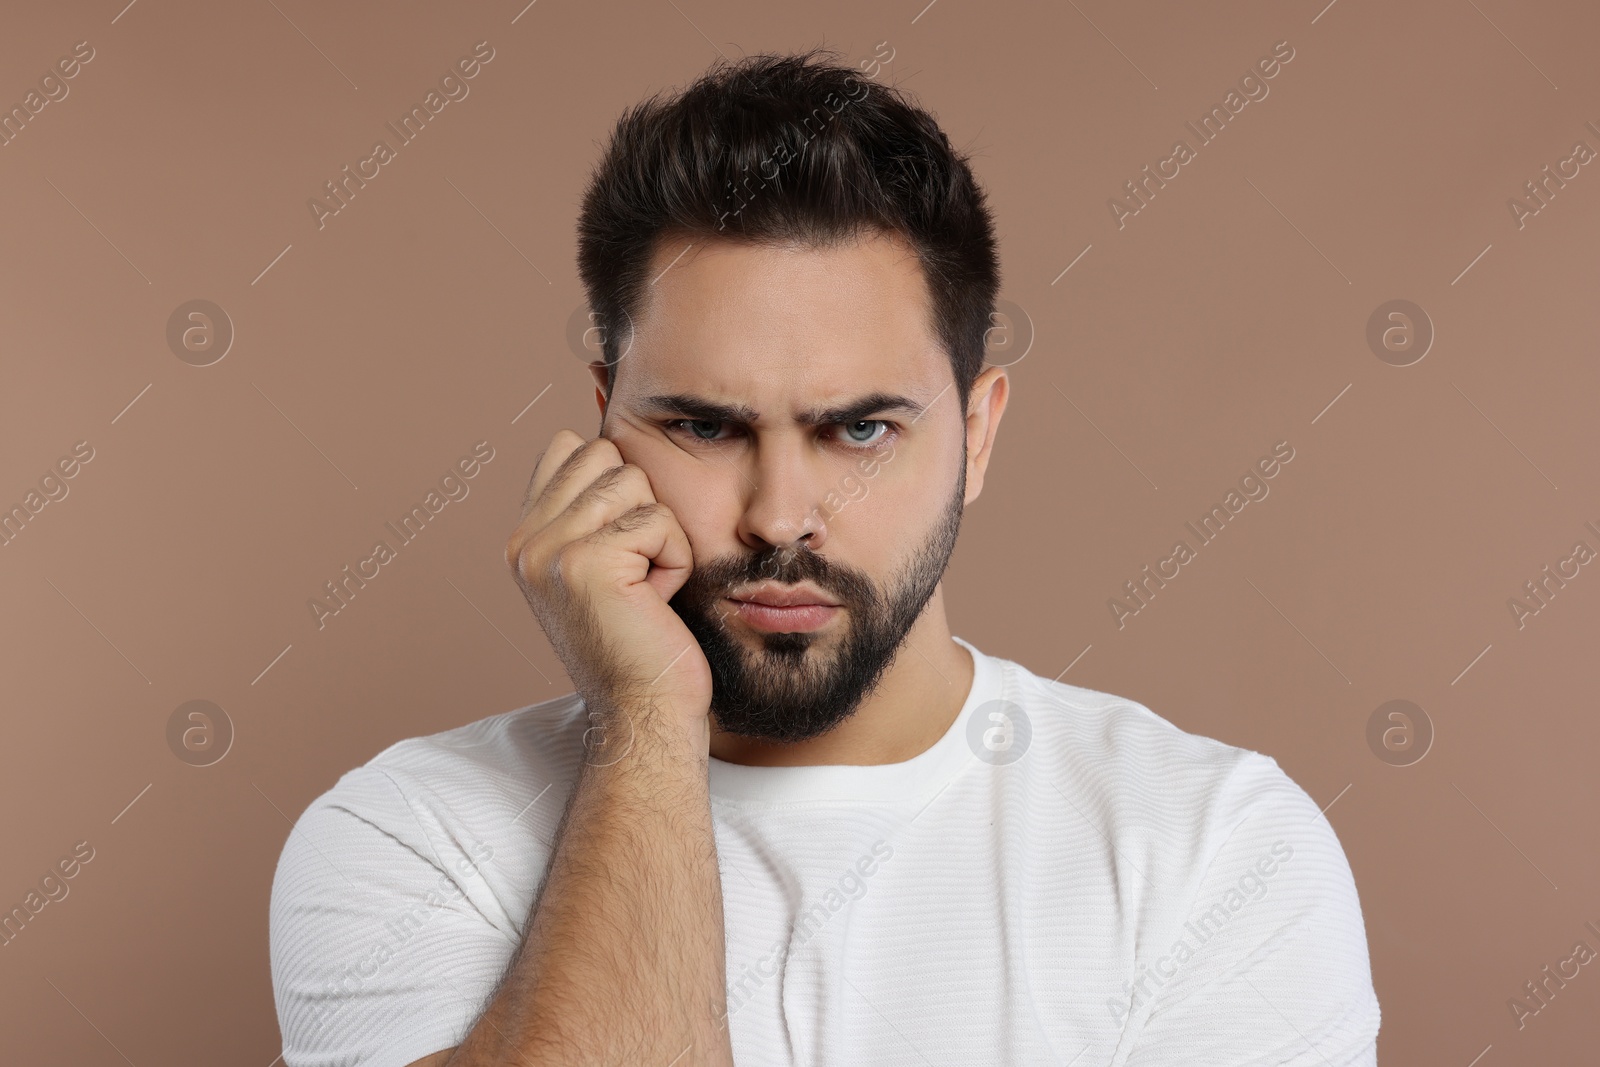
(1121, 893)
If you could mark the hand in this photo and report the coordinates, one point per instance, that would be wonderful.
(598, 557)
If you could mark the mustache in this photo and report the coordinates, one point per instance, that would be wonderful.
(787, 565)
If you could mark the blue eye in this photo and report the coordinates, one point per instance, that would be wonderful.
(858, 434)
(871, 425)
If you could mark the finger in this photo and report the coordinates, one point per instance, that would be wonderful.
(569, 465)
(611, 493)
(598, 494)
(561, 446)
(652, 533)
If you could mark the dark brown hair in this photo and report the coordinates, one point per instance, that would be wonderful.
(789, 148)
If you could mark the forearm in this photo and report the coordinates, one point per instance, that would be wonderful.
(623, 958)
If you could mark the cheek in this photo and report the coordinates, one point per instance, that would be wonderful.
(700, 500)
(894, 512)
(705, 502)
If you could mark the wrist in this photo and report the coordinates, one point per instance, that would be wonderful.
(645, 735)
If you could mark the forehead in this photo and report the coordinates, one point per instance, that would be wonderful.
(780, 327)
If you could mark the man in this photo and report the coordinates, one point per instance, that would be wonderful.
(787, 817)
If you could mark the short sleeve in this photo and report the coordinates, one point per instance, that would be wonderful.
(1269, 966)
(379, 955)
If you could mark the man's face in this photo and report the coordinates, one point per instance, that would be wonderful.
(793, 408)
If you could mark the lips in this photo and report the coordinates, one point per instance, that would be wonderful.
(801, 618)
(775, 608)
(777, 596)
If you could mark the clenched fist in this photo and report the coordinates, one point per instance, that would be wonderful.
(598, 556)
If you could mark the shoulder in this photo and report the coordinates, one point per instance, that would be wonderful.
(537, 742)
(1150, 785)
(478, 776)
(424, 857)
(1231, 869)
(1119, 746)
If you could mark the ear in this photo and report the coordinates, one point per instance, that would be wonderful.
(985, 406)
(597, 370)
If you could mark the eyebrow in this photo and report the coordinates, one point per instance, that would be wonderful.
(687, 405)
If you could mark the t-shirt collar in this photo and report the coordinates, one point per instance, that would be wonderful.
(914, 781)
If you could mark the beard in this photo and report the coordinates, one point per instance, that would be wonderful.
(784, 690)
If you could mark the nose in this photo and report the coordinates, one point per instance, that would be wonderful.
(784, 486)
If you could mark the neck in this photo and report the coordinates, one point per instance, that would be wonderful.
(913, 705)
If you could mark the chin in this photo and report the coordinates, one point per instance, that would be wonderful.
(771, 732)
(787, 646)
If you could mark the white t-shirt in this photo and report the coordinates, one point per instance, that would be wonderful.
(1065, 877)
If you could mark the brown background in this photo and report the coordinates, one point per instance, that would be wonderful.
(1225, 317)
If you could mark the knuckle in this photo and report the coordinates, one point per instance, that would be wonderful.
(558, 566)
(638, 517)
(634, 476)
(564, 564)
(520, 558)
(589, 450)
(609, 483)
